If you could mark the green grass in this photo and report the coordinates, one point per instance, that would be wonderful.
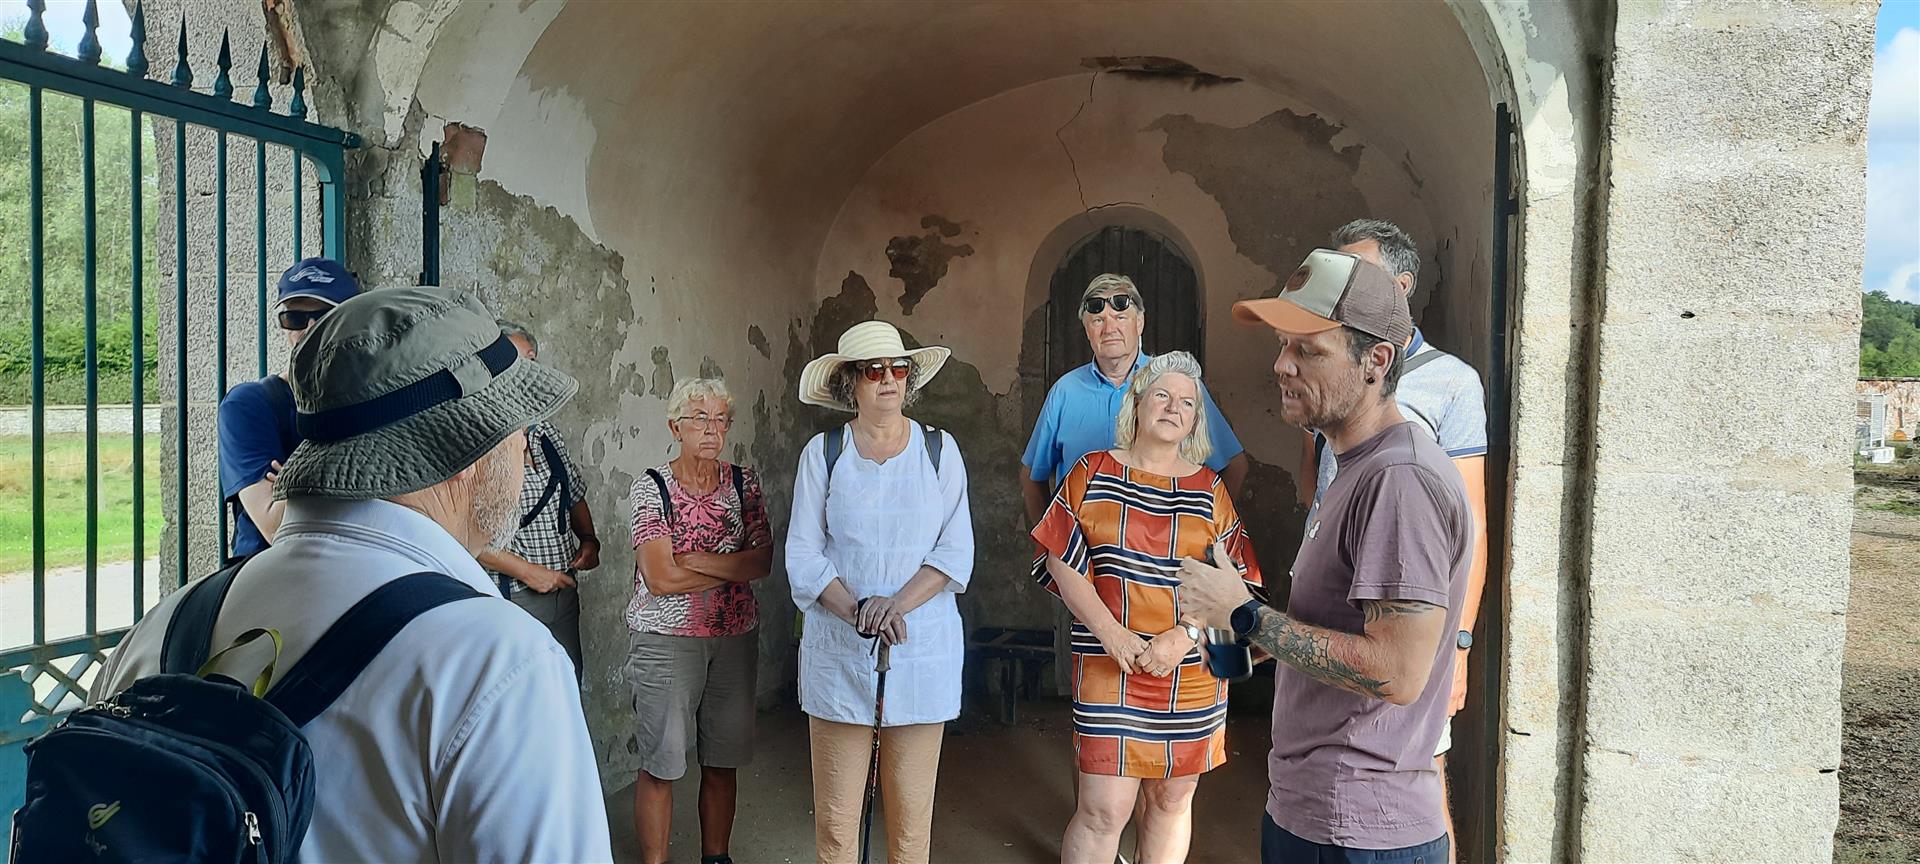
(66, 500)
(1902, 506)
(70, 388)
(1876, 852)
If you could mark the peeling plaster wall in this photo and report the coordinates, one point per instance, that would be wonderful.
(1246, 180)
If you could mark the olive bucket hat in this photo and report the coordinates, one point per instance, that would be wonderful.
(402, 388)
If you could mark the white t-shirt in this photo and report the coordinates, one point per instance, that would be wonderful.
(1442, 396)
(462, 741)
(872, 530)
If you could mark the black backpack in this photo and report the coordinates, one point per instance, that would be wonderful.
(837, 442)
(184, 768)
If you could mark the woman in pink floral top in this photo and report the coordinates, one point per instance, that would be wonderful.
(700, 537)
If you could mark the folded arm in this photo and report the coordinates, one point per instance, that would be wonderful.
(664, 575)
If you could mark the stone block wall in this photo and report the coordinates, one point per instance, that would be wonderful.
(1716, 585)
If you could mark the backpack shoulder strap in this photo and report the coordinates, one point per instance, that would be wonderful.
(189, 636)
(666, 504)
(740, 487)
(333, 662)
(557, 481)
(835, 443)
(1417, 361)
(935, 442)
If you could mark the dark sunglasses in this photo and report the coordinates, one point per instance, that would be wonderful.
(877, 370)
(1097, 305)
(300, 319)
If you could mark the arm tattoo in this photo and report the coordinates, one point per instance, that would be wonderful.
(1310, 650)
(1379, 609)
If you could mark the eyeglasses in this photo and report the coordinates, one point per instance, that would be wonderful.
(300, 319)
(1097, 305)
(877, 370)
(702, 422)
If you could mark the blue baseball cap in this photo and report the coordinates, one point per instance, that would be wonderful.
(319, 278)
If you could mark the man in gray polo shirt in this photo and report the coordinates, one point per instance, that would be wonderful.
(1361, 696)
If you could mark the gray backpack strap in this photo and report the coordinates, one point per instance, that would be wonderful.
(1418, 360)
(836, 442)
(935, 441)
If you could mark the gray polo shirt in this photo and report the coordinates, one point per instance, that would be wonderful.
(1346, 769)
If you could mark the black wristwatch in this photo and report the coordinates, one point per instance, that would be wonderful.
(1245, 620)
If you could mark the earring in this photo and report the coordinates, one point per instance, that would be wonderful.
(1369, 379)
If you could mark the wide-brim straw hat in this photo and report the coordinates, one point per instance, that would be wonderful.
(400, 389)
(867, 340)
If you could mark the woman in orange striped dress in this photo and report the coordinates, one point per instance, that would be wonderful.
(1148, 716)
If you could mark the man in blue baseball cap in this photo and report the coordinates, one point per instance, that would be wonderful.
(257, 431)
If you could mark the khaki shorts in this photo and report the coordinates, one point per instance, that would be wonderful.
(691, 690)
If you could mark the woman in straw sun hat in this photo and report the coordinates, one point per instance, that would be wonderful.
(881, 541)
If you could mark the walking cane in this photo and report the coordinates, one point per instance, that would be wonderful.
(883, 652)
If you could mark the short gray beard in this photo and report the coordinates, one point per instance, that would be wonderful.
(496, 499)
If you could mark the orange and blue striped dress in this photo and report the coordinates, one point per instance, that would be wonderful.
(1127, 531)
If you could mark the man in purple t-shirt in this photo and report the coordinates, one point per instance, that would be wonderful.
(1378, 583)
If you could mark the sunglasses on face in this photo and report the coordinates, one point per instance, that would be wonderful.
(1097, 305)
(877, 370)
(300, 319)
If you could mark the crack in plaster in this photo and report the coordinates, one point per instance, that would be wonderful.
(1078, 186)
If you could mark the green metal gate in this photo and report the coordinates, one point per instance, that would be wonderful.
(43, 677)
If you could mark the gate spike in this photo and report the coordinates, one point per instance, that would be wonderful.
(36, 32)
(137, 54)
(90, 42)
(182, 73)
(262, 98)
(297, 109)
(222, 84)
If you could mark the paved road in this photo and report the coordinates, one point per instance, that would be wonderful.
(66, 600)
(114, 419)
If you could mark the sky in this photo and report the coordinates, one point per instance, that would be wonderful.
(1893, 155)
(1893, 129)
(64, 26)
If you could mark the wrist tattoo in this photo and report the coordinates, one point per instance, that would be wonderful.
(1311, 652)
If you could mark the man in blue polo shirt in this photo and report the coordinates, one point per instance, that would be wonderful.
(1079, 414)
(256, 425)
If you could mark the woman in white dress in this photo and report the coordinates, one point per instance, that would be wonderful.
(880, 543)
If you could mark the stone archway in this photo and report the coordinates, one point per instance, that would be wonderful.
(725, 234)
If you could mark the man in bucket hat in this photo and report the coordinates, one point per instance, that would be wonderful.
(463, 739)
(1366, 668)
(257, 425)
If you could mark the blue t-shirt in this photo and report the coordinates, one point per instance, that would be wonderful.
(256, 430)
(1079, 416)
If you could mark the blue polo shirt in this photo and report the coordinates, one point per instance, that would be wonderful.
(1079, 416)
(256, 429)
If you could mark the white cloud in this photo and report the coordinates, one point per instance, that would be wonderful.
(1895, 109)
(1893, 170)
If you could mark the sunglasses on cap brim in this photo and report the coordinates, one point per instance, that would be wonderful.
(1119, 302)
(877, 369)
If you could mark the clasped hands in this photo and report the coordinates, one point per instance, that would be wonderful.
(880, 616)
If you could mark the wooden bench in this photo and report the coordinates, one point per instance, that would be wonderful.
(1020, 654)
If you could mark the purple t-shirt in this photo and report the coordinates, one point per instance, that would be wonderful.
(1346, 769)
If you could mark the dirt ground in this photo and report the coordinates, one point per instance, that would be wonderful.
(1880, 763)
(1006, 793)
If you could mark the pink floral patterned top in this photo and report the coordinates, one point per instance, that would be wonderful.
(716, 522)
